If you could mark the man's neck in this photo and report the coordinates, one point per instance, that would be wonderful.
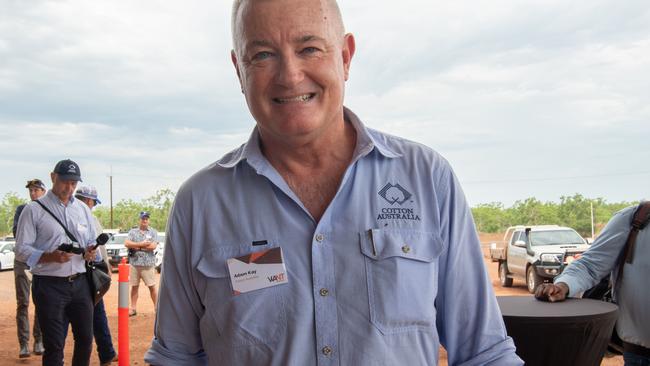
(304, 155)
(144, 228)
(62, 197)
(314, 169)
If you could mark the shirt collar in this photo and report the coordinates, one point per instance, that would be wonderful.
(366, 142)
(53, 198)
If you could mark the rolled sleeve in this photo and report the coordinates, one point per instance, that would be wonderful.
(158, 354)
(33, 258)
(469, 320)
(25, 238)
(601, 258)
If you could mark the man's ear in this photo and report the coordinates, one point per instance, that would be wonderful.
(349, 46)
(233, 58)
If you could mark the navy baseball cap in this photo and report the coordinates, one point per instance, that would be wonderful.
(68, 170)
(144, 214)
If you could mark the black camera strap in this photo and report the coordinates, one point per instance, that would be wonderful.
(68, 233)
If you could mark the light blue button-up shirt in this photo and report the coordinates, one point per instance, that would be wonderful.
(633, 292)
(38, 233)
(392, 270)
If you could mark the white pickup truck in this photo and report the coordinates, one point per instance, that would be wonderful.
(536, 253)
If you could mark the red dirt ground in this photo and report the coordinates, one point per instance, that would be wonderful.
(141, 326)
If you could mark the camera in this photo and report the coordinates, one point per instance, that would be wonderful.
(71, 248)
(75, 248)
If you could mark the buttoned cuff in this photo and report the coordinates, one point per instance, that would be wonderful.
(33, 259)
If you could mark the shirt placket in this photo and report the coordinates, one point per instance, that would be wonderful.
(326, 320)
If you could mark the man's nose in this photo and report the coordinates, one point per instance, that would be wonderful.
(290, 71)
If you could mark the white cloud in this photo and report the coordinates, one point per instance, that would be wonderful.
(502, 88)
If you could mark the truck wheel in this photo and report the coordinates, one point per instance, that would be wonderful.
(503, 275)
(532, 279)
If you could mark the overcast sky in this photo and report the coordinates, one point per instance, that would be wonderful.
(524, 98)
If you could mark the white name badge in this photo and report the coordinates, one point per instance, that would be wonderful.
(257, 270)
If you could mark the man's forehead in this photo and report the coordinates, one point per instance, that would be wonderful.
(306, 18)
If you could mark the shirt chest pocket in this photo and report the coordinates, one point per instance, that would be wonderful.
(402, 278)
(256, 317)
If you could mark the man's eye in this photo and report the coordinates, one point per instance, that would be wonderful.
(261, 55)
(309, 50)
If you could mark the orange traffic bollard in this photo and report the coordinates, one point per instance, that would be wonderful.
(123, 314)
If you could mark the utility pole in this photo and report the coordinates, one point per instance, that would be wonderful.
(110, 184)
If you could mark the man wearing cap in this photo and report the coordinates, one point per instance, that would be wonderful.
(60, 287)
(24, 283)
(141, 242)
(105, 350)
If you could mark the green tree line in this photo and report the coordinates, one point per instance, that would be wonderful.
(126, 213)
(572, 211)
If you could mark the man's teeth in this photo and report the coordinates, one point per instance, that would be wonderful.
(300, 98)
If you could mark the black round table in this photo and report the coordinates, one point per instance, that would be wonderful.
(573, 332)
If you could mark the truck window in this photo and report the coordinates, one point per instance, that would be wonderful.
(555, 237)
(524, 237)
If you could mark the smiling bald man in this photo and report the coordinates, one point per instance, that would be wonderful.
(320, 241)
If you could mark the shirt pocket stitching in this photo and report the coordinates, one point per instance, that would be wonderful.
(402, 248)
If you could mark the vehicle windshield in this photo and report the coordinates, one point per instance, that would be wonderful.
(117, 239)
(555, 237)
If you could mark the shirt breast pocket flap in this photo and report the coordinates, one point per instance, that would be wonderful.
(249, 318)
(213, 265)
(402, 277)
(379, 244)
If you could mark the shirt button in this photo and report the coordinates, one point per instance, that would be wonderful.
(324, 292)
(320, 237)
(406, 249)
(327, 350)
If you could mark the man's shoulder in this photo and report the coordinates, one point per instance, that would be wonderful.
(625, 214)
(407, 148)
(210, 176)
(81, 206)
(19, 209)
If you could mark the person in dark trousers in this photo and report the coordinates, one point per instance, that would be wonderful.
(60, 288)
(102, 332)
(24, 284)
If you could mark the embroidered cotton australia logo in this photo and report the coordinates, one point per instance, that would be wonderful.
(394, 193)
(398, 198)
